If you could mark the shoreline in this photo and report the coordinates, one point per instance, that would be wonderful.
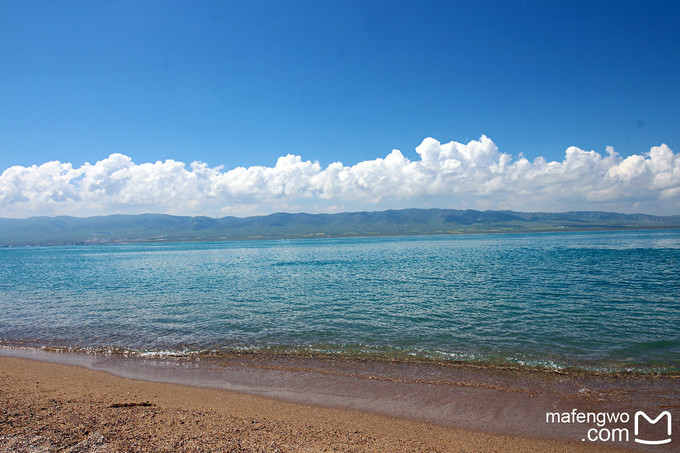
(355, 355)
(468, 408)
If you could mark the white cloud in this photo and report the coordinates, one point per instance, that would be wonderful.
(457, 175)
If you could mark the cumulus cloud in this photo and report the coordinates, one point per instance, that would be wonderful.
(456, 175)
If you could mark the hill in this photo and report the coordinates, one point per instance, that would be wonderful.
(160, 227)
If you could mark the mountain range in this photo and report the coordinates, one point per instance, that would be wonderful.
(65, 230)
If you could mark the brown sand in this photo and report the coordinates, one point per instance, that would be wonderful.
(55, 407)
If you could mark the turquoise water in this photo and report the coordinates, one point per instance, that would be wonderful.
(599, 300)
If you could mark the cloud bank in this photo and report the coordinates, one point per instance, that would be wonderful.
(453, 175)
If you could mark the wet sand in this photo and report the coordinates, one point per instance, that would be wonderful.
(300, 404)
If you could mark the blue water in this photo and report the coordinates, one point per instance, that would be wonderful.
(599, 300)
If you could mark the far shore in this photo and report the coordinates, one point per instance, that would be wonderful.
(61, 407)
(162, 228)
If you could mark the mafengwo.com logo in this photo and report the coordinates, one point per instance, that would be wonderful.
(639, 415)
(618, 426)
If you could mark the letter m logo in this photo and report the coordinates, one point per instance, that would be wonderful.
(653, 442)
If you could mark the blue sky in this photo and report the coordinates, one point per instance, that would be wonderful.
(243, 83)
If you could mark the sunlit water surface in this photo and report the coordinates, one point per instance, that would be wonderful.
(599, 300)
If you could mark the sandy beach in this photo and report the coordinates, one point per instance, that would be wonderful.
(58, 407)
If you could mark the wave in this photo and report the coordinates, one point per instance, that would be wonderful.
(364, 353)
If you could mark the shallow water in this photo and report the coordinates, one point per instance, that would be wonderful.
(608, 301)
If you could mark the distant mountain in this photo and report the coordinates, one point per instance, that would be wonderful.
(159, 227)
